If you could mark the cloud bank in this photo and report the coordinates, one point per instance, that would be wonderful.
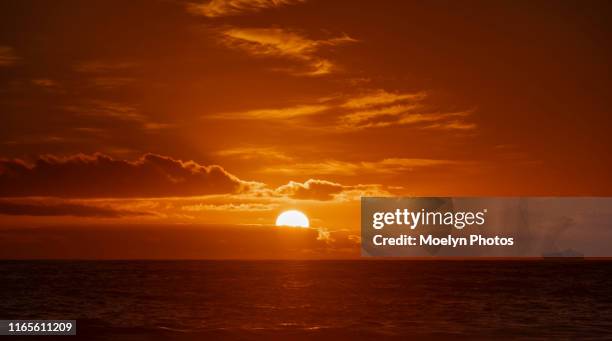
(322, 190)
(155, 176)
(101, 176)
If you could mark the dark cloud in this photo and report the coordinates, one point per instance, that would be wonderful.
(65, 209)
(100, 176)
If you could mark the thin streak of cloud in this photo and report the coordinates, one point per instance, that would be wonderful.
(45, 83)
(404, 116)
(381, 97)
(454, 125)
(249, 153)
(222, 8)
(334, 167)
(117, 111)
(38, 139)
(106, 74)
(111, 82)
(98, 66)
(8, 56)
(99, 108)
(277, 42)
(242, 207)
(373, 109)
(61, 208)
(376, 117)
(279, 113)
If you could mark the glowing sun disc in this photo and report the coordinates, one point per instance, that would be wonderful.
(293, 218)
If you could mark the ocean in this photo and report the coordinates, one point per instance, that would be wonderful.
(251, 300)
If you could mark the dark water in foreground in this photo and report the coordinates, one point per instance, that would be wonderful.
(136, 300)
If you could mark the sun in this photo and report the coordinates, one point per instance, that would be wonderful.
(293, 218)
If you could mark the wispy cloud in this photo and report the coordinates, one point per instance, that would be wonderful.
(380, 108)
(58, 207)
(40, 139)
(99, 66)
(45, 83)
(403, 115)
(278, 42)
(117, 111)
(109, 109)
(111, 82)
(222, 8)
(106, 74)
(453, 125)
(7, 56)
(381, 97)
(372, 109)
(259, 153)
(241, 207)
(276, 113)
(335, 167)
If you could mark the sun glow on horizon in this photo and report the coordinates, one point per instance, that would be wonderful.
(292, 218)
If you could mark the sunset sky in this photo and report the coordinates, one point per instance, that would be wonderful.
(182, 129)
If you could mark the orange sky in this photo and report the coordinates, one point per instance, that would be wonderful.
(207, 119)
